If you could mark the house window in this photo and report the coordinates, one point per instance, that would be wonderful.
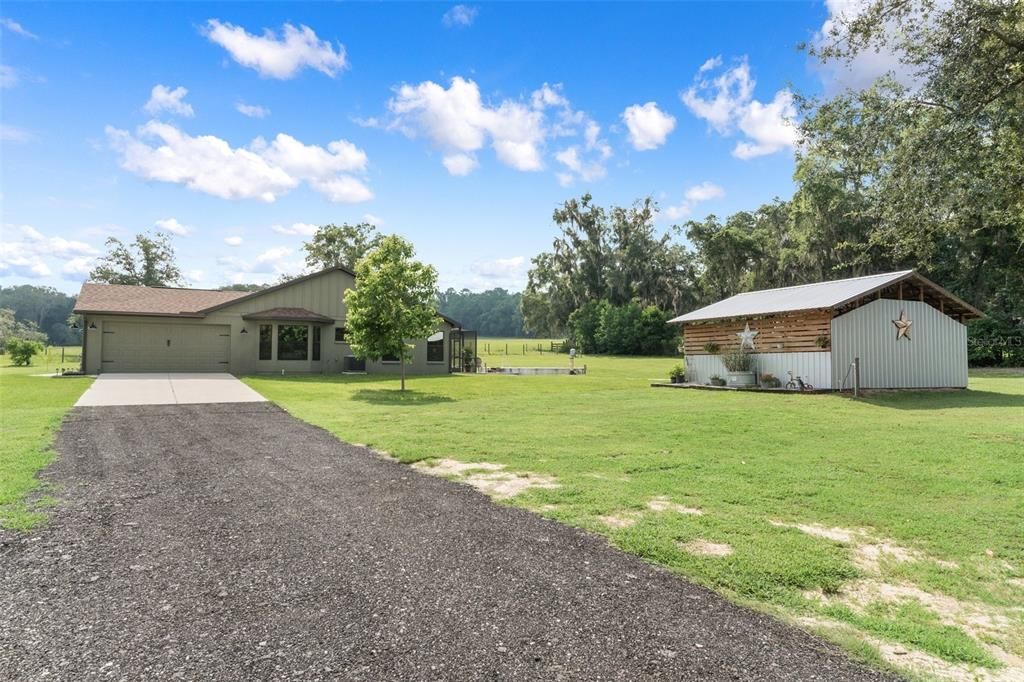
(389, 358)
(316, 344)
(339, 335)
(266, 339)
(435, 347)
(292, 342)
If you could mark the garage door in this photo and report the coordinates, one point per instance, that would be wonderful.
(154, 347)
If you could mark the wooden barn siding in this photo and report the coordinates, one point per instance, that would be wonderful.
(934, 357)
(814, 368)
(782, 333)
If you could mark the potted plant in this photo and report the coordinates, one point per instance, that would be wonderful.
(769, 380)
(822, 341)
(711, 348)
(716, 380)
(741, 368)
(677, 374)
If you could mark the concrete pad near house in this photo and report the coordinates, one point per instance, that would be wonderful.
(166, 389)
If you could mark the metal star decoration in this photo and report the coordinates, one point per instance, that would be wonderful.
(902, 326)
(746, 337)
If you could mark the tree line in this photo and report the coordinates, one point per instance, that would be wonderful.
(927, 177)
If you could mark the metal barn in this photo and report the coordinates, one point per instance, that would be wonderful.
(905, 331)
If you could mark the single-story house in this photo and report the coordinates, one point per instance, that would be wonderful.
(298, 326)
(907, 332)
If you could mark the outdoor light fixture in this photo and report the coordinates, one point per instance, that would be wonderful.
(244, 331)
(74, 325)
(92, 325)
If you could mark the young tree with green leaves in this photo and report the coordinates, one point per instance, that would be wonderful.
(340, 245)
(393, 302)
(149, 261)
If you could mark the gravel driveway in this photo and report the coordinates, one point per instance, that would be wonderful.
(233, 541)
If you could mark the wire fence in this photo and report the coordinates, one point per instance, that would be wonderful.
(60, 358)
(522, 348)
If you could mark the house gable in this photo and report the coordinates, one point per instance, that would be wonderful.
(322, 293)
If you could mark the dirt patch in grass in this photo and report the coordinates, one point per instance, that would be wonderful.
(487, 477)
(993, 633)
(989, 625)
(623, 520)
(662, 504)
(844, 535)
(706, 548)
(918, 662)
(868, 551)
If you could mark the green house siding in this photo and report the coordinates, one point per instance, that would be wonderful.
(223, 341)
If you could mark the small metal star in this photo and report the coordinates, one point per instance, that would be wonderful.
(902, 326)
(746, 337)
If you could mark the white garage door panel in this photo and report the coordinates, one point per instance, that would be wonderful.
(154, 347)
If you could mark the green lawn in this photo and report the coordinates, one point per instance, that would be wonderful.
(924, 492)
(31, 408)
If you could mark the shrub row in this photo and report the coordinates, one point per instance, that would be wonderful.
(631, 329)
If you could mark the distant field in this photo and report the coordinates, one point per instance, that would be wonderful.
(891, 524)
(31, 408)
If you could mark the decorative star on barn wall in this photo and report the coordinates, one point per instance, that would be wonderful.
(746, 337)
(902, 326)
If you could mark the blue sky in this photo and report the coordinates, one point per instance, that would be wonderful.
(460, 127)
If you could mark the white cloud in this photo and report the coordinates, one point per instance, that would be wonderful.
(726, 103)
(459, 16)
(712, 63)
(300, 229)
(730, 92)
(458, 121)
(274, 57)
(233, 240)
(308, 161)
(770, 127)
(571, 158)
(648, 125)
(695, 194)
(460, 164)
(252, 110)
(587, 161)
(262, 171)
(867, 65)
(508, 273)
(14, 27)
(373, 220)
(267, 266)
(194, 277)
(343, 189)
(162, 98)
(27, 255)
(78, 268)
(173, 226)
(9, 133)
(705, 191)
(369, 122)
(8, 76)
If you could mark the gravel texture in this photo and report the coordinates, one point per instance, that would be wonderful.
(233, 541)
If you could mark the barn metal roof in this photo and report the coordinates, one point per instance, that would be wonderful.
(789, 299)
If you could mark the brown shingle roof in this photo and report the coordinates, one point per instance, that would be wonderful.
(131, 300)
(288, 315)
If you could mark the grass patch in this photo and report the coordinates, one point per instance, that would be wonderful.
(31, 408)
(941, 473)
(911, 624)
